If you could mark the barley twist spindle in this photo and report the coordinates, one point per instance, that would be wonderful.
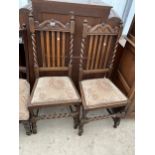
(82, 52)
(71, 49)
(34, 54)
(114, 54)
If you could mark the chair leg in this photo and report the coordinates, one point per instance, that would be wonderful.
(80, 132)
(116, 119)
(82, 122)
(76, 118)
(76, 122)
(27, 127)
(34, 125)
(116, 122)
(33, 121)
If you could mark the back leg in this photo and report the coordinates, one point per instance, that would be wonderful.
(116, 122)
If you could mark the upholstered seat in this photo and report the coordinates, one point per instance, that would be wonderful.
(24, 94)
(101, 92)
(54, 90)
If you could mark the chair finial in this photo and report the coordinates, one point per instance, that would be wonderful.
(85, 21)
(31, 14)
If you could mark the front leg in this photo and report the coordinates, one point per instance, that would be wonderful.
(34, 125)
(77, 117)
(33, 120)
(82, 121)
(81, 125)
(27, 127)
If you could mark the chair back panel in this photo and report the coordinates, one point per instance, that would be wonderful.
(98, 48)
(52, 43)
(53, 48)
(23, 54)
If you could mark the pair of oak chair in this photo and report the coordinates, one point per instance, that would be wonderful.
(52, 43)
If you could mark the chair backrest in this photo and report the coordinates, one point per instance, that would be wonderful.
(52, 43)
(98, 48)
(23, 56)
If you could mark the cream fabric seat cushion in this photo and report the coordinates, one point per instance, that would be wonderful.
(53, 90)
(24, 94)
(101, 91)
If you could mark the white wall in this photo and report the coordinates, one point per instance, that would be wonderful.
(118, 5)
(129, 19)
(125, 9)
(22, 3)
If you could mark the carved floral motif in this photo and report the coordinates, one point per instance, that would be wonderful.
(52, 24)
(102, 28)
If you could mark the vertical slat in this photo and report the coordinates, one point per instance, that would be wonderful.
(89, 51)
(48, 49)
(94, 52)
(104, 44)
(63, 48)
(98, 52)
(53, 49)
(107, 52)
(58, 49)
(42, 47)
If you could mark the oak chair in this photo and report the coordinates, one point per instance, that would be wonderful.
(52, 43)
(24, 95)
(98, 51)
